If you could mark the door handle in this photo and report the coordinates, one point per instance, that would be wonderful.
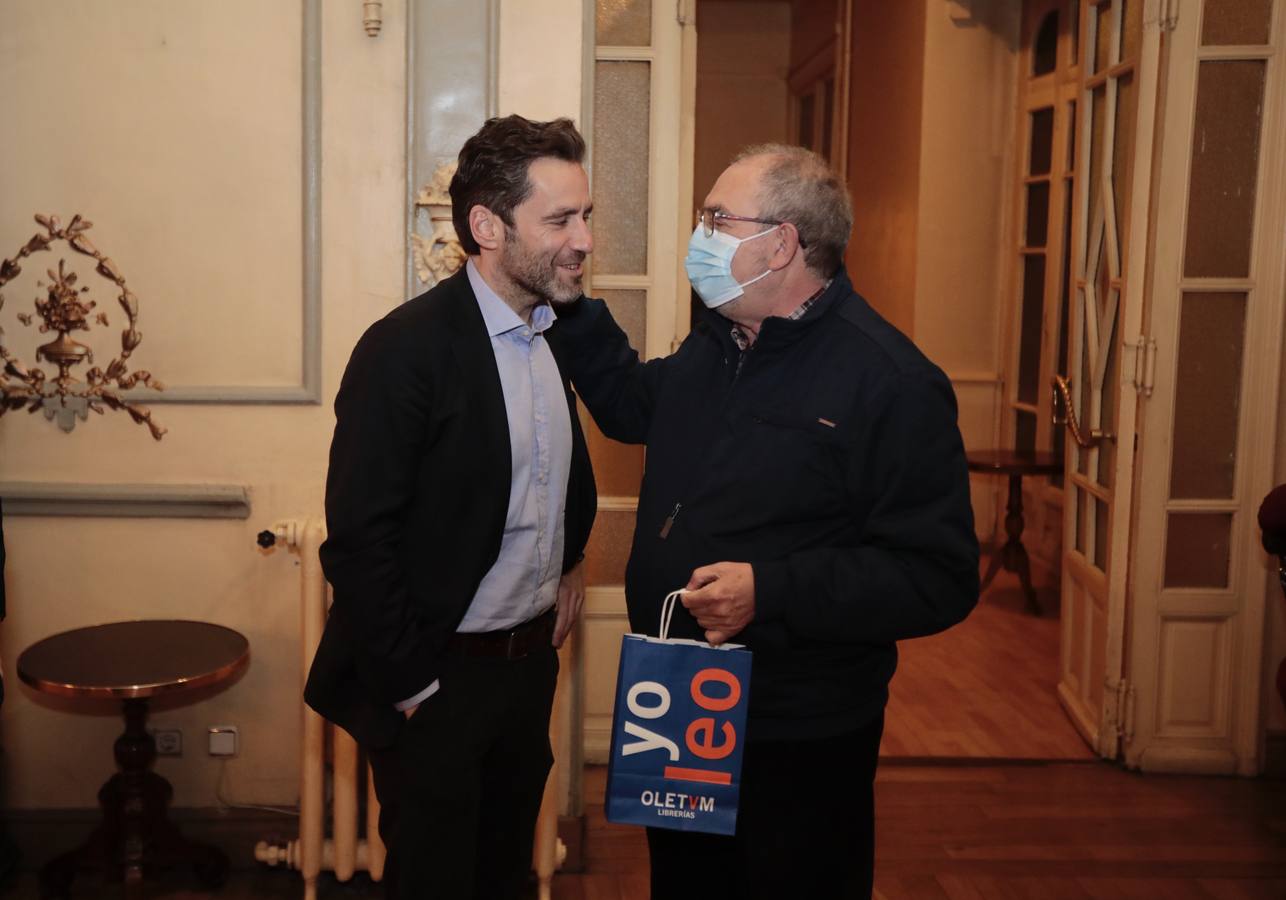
(1061, 390)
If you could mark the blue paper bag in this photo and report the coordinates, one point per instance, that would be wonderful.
(678, 731)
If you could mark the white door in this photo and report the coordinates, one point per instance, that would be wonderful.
(639, 128)
(1196, 627)
(1119, 45)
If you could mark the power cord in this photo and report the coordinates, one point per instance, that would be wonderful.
(228, 804)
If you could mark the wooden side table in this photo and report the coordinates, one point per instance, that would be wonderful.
(1015, 464)
(132, 662)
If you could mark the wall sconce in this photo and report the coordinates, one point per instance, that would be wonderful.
(66, 309)
(373, 16)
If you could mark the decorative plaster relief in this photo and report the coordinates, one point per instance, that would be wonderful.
(437, 255)
(64, 310)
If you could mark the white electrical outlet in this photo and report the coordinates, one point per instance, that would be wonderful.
(224, 740)
(169, 741)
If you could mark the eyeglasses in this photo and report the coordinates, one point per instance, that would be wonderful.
(709, 217)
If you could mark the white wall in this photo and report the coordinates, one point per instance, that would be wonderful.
(175, 126)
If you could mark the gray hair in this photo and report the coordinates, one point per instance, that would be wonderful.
(799, 187)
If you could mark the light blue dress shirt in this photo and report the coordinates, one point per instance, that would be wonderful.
(523, 582)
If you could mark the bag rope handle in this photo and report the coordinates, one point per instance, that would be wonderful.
(667, 611)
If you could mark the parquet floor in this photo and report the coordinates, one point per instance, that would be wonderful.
(986, 688)
(1052, 831)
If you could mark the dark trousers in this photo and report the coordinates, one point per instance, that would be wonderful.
(805, 827)
(460, 789)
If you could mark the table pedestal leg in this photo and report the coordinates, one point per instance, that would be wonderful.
(1013, 555)
(135, 836)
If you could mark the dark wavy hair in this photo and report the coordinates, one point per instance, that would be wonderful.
(492, 169)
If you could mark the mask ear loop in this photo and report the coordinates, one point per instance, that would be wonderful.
(667, 611)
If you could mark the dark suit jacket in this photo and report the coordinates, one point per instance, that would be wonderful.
(416, 500)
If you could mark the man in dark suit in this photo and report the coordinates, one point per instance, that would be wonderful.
(458, 503)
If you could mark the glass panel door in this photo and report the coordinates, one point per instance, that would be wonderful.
(1207, 459)
(1117, 105)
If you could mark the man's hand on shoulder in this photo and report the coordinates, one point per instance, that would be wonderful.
(721, 597)
(571, 596)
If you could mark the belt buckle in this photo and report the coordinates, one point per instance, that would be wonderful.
(509, 645)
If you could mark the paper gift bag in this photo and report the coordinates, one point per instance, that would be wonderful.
(678, 731)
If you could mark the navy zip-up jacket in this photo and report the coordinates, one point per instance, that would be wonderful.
(829, 460)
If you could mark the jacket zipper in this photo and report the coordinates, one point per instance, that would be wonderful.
(669, 521)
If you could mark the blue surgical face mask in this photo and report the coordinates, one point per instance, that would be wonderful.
(709, 265)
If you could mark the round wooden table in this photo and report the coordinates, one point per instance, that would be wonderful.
(1015, 464)
(132, 662)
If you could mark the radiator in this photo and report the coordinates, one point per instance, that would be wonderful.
(345, 852)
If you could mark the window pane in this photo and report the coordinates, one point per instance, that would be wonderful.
(1033, 305)
(1082, 521)
(618, 468)
(1024, 430)
(1037, 214)
(1225, 168)
(1131, 28)
(1207, 395)
(621, 104)
(1072, 125)
(1198, 549)
(1107, 410)
(1101, 532)
(629, 309)
(1098, 118)
(1063, 339)
(1237, 21)
(1102, 19)
(1076, 31)
(1042, 141)
(1045, 49)
(609, 547)
(623, 23)
(1127, 99)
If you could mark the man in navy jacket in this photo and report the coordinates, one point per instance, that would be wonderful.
(806, 482)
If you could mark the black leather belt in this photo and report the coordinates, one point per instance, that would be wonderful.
(510, 643)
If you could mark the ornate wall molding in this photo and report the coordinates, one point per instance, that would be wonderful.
(308, 391)
(151, 501)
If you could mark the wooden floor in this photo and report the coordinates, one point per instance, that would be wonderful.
(986, 688)
(1053, 831)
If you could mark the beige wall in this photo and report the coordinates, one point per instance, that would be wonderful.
(743, 54)
(544, 37)
(184, 151)
(885, 110)
(932, 99)
(812, 27)
(962, 227)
